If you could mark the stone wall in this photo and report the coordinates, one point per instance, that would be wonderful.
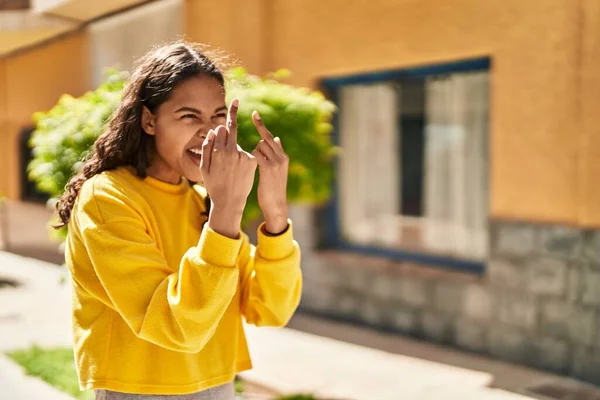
(537, 304)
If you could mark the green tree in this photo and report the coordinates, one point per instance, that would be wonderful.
(301, 117)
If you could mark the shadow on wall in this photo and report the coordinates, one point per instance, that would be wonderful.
(26, 232)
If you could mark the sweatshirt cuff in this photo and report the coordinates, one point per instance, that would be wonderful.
(275, 247)
(218, 250)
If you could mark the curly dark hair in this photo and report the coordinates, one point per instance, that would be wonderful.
(123, 142)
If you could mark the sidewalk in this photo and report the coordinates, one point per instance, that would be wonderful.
(291, 361)
(352, 363)
(36, 311)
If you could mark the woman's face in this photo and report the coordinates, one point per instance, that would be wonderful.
(180, 125)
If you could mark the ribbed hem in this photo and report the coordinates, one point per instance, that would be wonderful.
(275, 247)
(135, 388)
(218, 250)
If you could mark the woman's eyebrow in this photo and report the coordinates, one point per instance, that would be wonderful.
(192, 109)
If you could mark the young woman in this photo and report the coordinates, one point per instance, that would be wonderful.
(162, 275)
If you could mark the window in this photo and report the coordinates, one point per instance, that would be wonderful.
(412, 178)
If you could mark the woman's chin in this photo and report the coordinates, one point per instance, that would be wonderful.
(191, 169)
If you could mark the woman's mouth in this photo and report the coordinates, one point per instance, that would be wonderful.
(196, 155)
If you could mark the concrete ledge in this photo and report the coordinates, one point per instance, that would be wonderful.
(20, 29)
(83, 10)
(26, 20)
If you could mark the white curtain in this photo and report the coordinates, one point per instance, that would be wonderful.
(117, 41)
(456, 174)
(370, 168)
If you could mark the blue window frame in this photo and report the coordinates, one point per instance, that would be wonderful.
(332, 236)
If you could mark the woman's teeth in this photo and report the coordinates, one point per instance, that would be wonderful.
(196, 151)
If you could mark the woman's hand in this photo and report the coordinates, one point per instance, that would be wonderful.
(272, 185)
(228, 174)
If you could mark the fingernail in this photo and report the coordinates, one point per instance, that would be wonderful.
(235, 102)
(256, 115)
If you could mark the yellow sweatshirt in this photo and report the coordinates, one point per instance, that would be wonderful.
(158, 300)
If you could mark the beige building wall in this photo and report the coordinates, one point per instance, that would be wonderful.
(542, 54)
(33, 81)
(544, 141)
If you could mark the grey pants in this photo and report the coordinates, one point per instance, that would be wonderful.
(223, 392)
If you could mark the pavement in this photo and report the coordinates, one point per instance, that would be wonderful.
(35, 311)
(329, 359)
(341, 370)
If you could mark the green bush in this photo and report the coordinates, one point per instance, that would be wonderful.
(65, 134)
(297, 397)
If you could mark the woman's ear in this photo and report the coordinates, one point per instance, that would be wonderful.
(148, 121)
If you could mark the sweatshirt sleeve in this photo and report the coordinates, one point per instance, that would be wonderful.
(271, 279)
(177, 307)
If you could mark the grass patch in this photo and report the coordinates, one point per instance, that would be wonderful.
(55, 366)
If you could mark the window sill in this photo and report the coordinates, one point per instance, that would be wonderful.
(413, 257)
(418, 270)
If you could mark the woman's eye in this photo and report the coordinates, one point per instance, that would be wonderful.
(221, 116)
(188, 116)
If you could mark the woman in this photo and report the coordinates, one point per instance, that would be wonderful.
(162, 276)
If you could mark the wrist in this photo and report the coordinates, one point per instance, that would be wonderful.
(276, 223)
(225, 222)
(236, 209)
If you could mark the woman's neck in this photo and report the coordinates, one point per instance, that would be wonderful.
(160, 171)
